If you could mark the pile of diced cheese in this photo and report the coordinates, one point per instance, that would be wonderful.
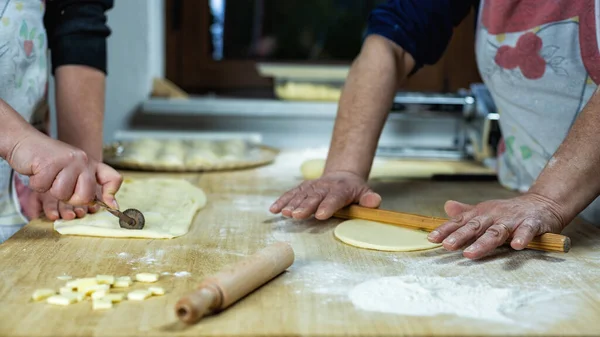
(98, 289)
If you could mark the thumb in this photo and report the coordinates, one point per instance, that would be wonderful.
(454, 208)
(110, 180)
(369, 199)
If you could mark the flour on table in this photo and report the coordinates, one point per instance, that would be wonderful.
(182, 274)
(432, 296)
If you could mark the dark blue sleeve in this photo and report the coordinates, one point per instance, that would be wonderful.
(422, 28)
(77, 32)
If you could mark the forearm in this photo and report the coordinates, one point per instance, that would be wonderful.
(572, 177)
(80, 93)
(12, 128)
(364, 105)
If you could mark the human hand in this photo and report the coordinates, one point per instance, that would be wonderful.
(65, 172)
(35, 204)
(325, 196)
(490, 224)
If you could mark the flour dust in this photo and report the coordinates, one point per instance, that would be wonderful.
(432, 296)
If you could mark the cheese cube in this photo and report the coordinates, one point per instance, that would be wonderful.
(138, 295)
(87, 290)
(122, 282)
(101, 304)
(42, 294)
(98, 294)
(64, 299)
(156, 291)
(105, 279)
(78, 296)
(64, 290)
(82, 282)
(114, 297)
(146, 277)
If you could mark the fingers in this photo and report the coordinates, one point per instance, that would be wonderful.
(85, 190)
(32, 206)
(93, 208)
(525, 232)
(470, 231)
(370, 199)
(111, 181)
(493, 237)
(293, 204)
(64, 184)
(454, 208)
(280, 203)
(50, 206)
(80, 211)
(43, 180)
(449, 227)
(309, 205)
(66, 211)
(331, 204)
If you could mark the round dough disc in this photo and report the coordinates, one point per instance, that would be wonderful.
(380, 236)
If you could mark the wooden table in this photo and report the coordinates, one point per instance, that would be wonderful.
(312, 298)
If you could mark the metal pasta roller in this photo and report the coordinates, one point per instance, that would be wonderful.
(129, 219)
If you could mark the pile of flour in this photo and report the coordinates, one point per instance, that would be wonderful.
(431, 296)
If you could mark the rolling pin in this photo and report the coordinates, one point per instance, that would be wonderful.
(219, 291)
(547, 242)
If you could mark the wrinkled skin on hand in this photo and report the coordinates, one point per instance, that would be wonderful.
(325, 196)
(483, 227)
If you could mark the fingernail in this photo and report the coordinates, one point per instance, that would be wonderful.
(434, 235)
(320, 213)
(287, 209)
(298, 210)
(470, 249)
(450, 241)
(519, 241)
(115, 205)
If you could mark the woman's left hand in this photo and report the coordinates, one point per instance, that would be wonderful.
(487, 225)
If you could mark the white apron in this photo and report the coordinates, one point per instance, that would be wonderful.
(23, 83)
(541, 62)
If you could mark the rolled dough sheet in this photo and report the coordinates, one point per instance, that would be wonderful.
(168, 205)
(380, 236)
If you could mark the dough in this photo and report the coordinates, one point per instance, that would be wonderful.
(380, 236)
(308, 92)
(168, 205)
(313, 169)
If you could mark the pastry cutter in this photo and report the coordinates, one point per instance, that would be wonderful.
(131, 218)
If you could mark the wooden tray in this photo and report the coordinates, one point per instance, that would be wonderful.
(258, 155)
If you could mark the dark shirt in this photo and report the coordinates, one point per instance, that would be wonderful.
(77, 32)
(422, 28)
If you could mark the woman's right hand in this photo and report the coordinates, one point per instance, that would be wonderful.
(325, 196)
(67, 173)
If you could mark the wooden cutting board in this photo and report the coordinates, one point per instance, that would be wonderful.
(312, 298)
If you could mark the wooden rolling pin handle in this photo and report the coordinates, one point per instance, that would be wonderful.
(549, 242)
(221, 290)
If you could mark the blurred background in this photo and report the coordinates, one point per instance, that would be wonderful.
(273, 71)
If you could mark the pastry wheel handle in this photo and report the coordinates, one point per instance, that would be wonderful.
(549, 242)
(116, 212)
